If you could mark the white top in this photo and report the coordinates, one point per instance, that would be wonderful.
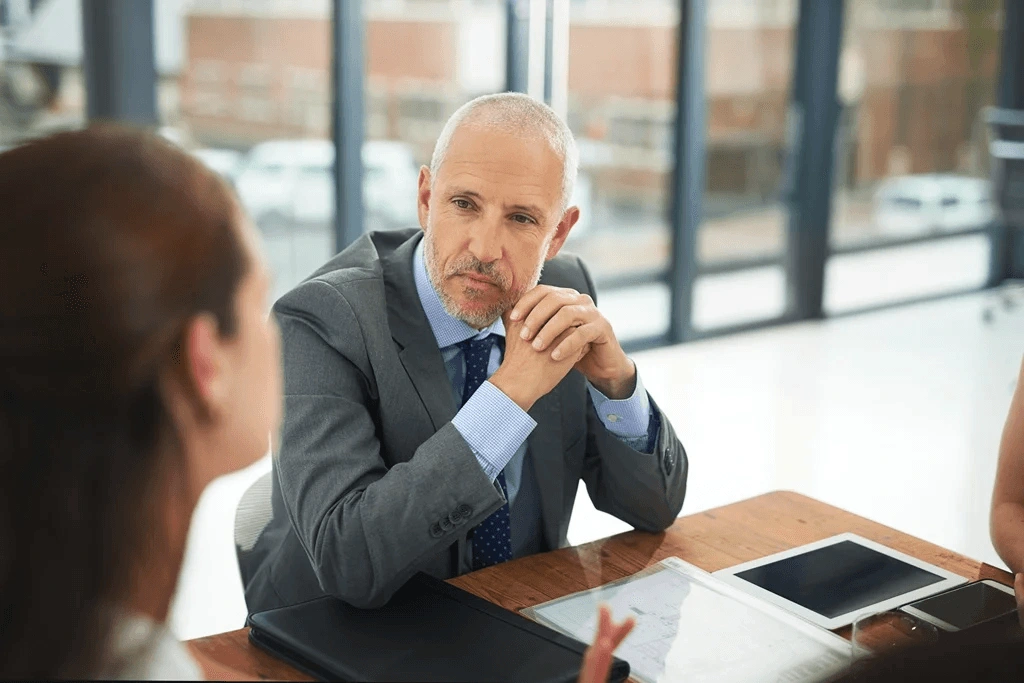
(144, 650)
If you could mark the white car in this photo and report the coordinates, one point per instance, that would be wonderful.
(390, 184)
(291, 181)
(932, 203)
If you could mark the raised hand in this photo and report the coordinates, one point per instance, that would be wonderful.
(597, 660)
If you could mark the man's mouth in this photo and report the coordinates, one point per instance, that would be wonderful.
(479, 278)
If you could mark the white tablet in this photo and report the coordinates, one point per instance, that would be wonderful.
(831, 582)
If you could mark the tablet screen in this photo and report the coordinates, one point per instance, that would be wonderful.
(968, 605)
(838, 579)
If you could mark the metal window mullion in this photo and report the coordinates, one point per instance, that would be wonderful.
(688, 174)
(536, 64)
(814, 115)
(558, 62)
(119, 61)
(517, 17)
(347, 113)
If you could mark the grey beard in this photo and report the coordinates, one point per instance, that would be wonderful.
(478, 320)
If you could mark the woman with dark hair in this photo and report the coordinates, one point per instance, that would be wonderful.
(137, 363)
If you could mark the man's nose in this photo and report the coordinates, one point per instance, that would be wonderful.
(485, 240)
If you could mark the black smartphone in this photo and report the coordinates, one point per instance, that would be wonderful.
(965, 606)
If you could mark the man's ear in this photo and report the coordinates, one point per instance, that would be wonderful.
(569, 218)
(204, 360)
(423, 196)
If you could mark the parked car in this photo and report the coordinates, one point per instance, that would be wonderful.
(390, 183)
(932, 203)
(291, 181)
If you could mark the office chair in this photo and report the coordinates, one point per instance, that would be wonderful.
(252, 516)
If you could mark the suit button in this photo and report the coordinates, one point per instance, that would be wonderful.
(464, 511)
(436, 531)
(447, 524)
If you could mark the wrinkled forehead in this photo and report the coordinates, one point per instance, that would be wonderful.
(503, 164)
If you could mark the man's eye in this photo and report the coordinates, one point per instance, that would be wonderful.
(520, 218)
(462, 204)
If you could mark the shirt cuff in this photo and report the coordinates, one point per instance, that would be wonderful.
(626, 418)
(494, 427)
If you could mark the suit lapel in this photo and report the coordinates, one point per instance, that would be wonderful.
(545, 445)
(411, 331)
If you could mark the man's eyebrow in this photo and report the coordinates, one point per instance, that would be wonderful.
(527, 208)
(468, 193)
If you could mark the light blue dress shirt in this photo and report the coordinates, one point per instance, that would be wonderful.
(493, 425)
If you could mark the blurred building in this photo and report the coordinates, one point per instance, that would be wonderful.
(915, 76)
(242, 80)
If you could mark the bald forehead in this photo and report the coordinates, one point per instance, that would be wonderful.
(497, 145)
(499, 166)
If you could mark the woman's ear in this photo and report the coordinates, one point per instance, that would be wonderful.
(204, 358)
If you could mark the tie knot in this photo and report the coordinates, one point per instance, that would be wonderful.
(474, 346)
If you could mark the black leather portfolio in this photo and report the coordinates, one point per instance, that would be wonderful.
(429, 631)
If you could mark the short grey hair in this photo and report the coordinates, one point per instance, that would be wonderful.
(518, 114)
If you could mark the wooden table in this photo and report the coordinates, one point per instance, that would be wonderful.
(712, 540)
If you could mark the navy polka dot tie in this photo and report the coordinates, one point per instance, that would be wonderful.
(492, 540)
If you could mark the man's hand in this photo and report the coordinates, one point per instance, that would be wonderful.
(597, 660)
(565, 324)
(527, 374)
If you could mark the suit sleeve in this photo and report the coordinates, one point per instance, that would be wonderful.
(365, 528)
(646, 492)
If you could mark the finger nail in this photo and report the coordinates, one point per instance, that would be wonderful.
(525, 334)
(556, 355)
(537, 344)
(514, 315)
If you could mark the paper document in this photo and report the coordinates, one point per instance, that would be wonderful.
(693, 627)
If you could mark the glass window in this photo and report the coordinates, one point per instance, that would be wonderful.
(912, 154)
(250, 95)
(621, 109)
(749, 72)
(424, 59)
(41, 86)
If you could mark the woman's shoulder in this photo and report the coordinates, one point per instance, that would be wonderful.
(144, 650)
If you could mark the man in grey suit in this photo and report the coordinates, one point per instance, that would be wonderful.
(443, 398)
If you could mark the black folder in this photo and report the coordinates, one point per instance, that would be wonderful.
(429, 631)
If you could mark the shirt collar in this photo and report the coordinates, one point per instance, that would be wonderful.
(447, 330)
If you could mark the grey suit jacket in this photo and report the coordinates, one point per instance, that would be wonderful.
(372, 483)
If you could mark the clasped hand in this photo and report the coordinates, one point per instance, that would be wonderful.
(552, 330)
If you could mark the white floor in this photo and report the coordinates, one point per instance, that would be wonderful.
(893, 415)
